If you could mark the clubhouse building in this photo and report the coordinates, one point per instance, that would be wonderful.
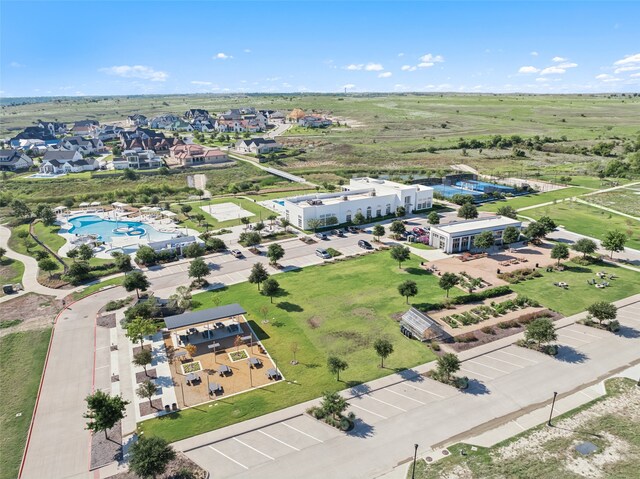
(458, 236)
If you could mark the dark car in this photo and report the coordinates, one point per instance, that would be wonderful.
(321, 236)
(365, 244)
(337, 233)
(352, 229)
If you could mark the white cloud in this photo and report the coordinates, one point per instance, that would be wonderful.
(528, 69)
(385, 75)
(354, 66)
(247, 50)
(534, 54)
(558, 59)
(629, 60)
(136, 71)
(553, 71)
(408, 68)
(204, 83)
(542, 79)
(16, 65)
(630, 68)
(400, 54)
(605, 77)
(348, 86)
(222, 56)
(567, 65)
(374, 67)
(430, 58)
(425, 64)
(635, 75)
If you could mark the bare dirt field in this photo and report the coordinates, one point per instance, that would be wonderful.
(35, 311)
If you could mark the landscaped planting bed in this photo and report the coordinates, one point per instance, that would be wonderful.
(484, 312)
(191, 367)
(514, 277)
(238, 355)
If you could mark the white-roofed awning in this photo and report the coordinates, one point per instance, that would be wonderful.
(169, 214)
(96, 203)
(60, 208)
(84, 204)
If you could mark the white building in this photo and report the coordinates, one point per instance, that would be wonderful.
(459, 236)
(137, 160)
(371, 197)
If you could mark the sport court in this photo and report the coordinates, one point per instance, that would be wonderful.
(226, 211)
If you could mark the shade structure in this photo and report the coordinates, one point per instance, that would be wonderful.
(60, 208)
(168, 214)
(95, 203)
(84, 204)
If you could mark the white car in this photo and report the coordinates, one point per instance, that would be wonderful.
(237, 253)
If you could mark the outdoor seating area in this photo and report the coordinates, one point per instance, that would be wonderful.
(514, 261)
(603, 277)
(562, 285)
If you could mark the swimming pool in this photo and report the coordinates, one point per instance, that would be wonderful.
(279, 202)
(109, 229)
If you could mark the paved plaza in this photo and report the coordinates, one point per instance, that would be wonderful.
(226, 211)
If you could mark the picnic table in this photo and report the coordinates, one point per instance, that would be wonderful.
(254, 362)
(224, 369)
(214, 388)
(272, 373)
(192, 331)
(191, 377)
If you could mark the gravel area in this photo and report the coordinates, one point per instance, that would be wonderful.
(146, 409)
(106, 320)
(180, 463)
(105, 451)
(142, 377)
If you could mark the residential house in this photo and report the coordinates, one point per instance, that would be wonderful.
(180, 125)
(310, 121)
(66, 161)
(33, 133)
(36, 147)
(142, 133)
(277, 117)
(107, 132)
(138, 160)
(54, 128)
(157, 144)
(137, 120)
(193, 155)
(163, 121)
(204, 126)
(14, 160)
(195, 114)
(84, 127)
(258, 146)
(85, 146)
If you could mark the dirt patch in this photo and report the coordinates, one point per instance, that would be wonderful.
(175, 469)
(314, 322)
(105, 450)
(346, 342)
(142, 377)
(36, 311)
(364, 313)
(106, 320)
(154, 407)
(137, 349)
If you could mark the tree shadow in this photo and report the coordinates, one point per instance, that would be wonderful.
(577, 269)
(361, 429)
(281, 293)
(476, 388)
(409, 375)
(290, 307)
(358, 389)
(571, 355)
(277, 323)
(163, 381)
(418, 271)
(627, 332)
(310, 365)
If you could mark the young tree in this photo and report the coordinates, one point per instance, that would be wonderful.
(191, 349)
(447, 364)
(548, 224)
(185, 209)
(2, 252)
(510, 235)
(467, 211)
(270, 288)
(314, 224)
(433, 218)
(560, 251)
(47, 215)
(408, 289)
(535, 232)
(138, 328)
(397, 228)
(378, 231)
(259, 226)
(48, 265)
(383, 348)
(448, 281)
(585, 246)
(614, 241)
(181, 299)
(122, 262)
(250, 239)
(285, 224)
(85, 252)
(295, 347)
(149, 456)
(603, 311)
(333, 404)
(484, 240)
(507, 211)
(79, 271)
(193, 250)
(216, 244)
(473, 284)
(147, 390)
(198, 269)
(541, 331)
(272, 218)
(401, 211)
(104, 411)
(336, 365)
(245, 221)
(400, 254)
(358, 219)
(143, 358)
(135, 281)
(275, 253)
(258, 274)
(145, 255)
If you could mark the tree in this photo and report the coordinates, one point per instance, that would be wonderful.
(603, 311)
(245, 221)
(191, 349)
(79, 271)
(285, 223)
(85, 252)
(401, 211)
(130, 174)
(467, 211)
(484, 240)
(198, 269)
(48, 265)
(510, 235)
(614, 241)
(250, 239)
(20, 209)
(147, 390)
(135, 281)
(258, 274)
(181, 299)
(259, 226)
(122, 262)
(314, 224)
(149, 456)
(199, 217)
(104, 411)
(336, 365)
(146, 255)
(383, 348)
(216, 244)
(400, 254)
(331, 220)
(540, 330)
(548, 224)
(47, 215)
(295, 347)
(275, 252)
(270, 288)
(460, 199)
(193, 250)
(433, 218)
(186, 209)
(358, 219)
(535, 232)
(507, 211)
(397, 228)
(585, 246)
(559, 251)
(138, 328)
(3, 251)
(408, 289)
(143, 358)
(447, 364)
(378, 231)
(333, 404)
(448, 281)
(473, 284)
(272, 218)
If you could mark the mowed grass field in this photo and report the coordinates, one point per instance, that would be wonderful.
(536, 199)
(338, 309)
(11, 271)
(589, 220)
(625, 200)
(21, 362)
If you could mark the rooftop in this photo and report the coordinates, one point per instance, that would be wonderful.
(331, 198)
(206, 315)
(480, 223)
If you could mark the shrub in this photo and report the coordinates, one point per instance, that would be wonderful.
(508, 325)
(117, 304)
(488, 330)
(466, 338)
(435, 346)
(614, 326)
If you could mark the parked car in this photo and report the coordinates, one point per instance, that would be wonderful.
(419, 231)
(337, 233)
(323, 253)
(352, 229)
(321, 236)
(237, 253)
(364, 244)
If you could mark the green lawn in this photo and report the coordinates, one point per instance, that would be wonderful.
(83, 293)
(337, 309)
(580, 294)
(21, 362)
(11, 271)
(249, 205)
(586, 181)
(539, 198)
(589, 220)
(624, 200)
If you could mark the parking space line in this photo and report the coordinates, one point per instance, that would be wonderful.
(301, 432)
(230, 458)
(253, 448)
(426, 391)
(476, 374)
(581, 332)
(366, 410)
(408, 397)
(516, 356)
(502, 361)
(385, 402)
(276, 439)
(472, 361)
(562, 333)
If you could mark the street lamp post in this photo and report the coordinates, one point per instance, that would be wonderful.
(415, 455)
(553, 403)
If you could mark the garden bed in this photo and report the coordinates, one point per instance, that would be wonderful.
(238, 355)
(191, 367)
(485, 312)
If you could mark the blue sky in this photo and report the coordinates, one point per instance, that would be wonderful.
(127, 47)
